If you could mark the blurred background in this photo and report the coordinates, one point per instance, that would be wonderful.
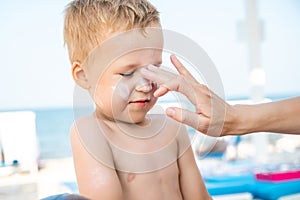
(36, 73)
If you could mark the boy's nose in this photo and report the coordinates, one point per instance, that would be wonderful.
(147, 87)
(142, 84)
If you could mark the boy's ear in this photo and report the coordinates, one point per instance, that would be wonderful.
(79, 75)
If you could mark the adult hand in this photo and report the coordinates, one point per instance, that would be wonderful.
(213, 116)
(210, 109)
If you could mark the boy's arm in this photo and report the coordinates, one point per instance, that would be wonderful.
(95, 180)
(191, 182)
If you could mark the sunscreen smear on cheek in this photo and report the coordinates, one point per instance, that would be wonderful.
(121, 90)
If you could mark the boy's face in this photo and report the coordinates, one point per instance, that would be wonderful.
(122, 93)
(119, 91)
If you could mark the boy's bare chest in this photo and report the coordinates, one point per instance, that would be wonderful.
(144, 156)
(141, 150)
(152, 185)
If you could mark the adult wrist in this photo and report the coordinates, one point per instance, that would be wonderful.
(241, 120)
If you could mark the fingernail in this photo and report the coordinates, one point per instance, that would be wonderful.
(170, 112)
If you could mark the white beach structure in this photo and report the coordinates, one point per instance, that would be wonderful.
(19, 140)
(257, 78)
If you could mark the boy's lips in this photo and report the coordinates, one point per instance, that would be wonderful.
(140, 102)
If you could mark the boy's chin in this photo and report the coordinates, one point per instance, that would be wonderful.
(133, 119)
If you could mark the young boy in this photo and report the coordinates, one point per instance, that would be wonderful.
(121, 152)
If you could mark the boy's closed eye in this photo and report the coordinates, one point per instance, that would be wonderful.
(127, 73)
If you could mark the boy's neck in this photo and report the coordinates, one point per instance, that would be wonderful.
(101, 116)
(148, 128)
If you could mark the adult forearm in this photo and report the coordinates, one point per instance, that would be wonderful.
(281, 116)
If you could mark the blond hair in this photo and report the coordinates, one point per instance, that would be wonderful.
(89, 22)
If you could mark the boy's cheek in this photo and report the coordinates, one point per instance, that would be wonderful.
(122, 91)
(102, 98)
(101, 102)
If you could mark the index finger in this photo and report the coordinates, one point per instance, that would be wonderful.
(151, 73)
(157, 75)
(181, 69)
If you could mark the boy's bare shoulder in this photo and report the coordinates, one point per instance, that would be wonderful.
(88, 125)
(179, 132)
(82, 122)
(90, 133)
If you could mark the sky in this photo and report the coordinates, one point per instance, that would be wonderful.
(36, 73)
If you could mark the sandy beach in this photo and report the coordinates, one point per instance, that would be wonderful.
(56, 176)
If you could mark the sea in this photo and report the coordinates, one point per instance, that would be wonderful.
(53, 130)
